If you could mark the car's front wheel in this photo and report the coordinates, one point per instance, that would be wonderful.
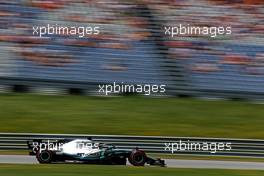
(45, 157)
(137, 158)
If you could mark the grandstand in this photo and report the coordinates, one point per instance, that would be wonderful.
(132, 47)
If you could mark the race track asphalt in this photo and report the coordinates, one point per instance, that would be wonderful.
(172, 163)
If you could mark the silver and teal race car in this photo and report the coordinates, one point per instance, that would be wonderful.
(86, 151)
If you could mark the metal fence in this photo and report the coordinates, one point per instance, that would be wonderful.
(151, 144)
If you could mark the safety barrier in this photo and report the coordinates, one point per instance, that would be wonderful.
(151, 144)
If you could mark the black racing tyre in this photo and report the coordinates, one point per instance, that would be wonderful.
(137, 158)
(45, 157)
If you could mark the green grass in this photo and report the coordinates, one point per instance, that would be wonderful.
(84, 170)
(130, 116)
(14, 152)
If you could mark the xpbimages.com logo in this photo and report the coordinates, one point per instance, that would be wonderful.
(54, 146)
(183, 30)
(45, 31)
(211, 147)
(146, 89)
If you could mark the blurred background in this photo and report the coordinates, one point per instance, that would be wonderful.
(132, 47)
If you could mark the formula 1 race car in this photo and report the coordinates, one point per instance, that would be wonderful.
(86, 151)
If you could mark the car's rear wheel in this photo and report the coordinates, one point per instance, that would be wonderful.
(45, 157)
(137, 158)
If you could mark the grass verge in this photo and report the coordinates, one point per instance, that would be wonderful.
(83, 170)
(130, 116)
